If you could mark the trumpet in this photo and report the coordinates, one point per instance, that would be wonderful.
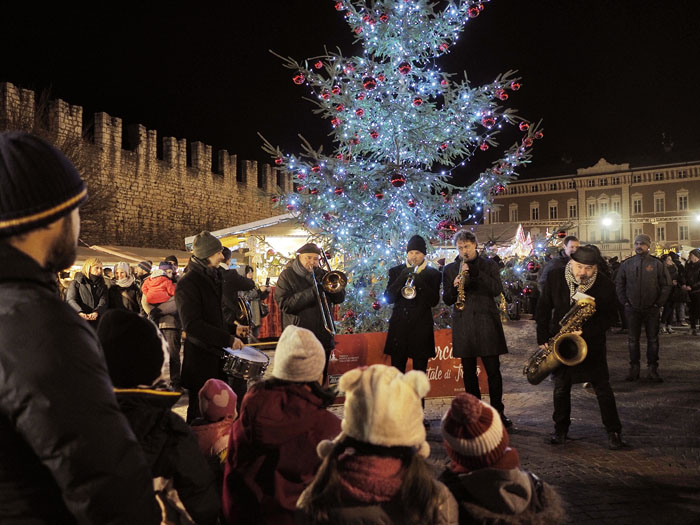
(409, 290)
(331, 282)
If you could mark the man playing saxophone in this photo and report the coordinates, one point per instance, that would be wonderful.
(472, 283)
(563, 287)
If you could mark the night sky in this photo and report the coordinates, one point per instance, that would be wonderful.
(606, 76)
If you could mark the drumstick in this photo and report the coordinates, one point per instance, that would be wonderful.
(262, 344)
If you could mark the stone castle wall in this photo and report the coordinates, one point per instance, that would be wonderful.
(142, 196)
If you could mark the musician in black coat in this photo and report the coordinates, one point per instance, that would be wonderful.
(580, 275)
(411, 325)
(476, 330)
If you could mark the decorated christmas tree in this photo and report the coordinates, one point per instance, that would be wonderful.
(400, 126)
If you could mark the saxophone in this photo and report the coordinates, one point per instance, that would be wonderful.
(565, 347)
(461, 296)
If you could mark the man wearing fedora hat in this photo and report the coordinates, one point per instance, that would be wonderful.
(559, 293)
(643, 286)
(68, 454)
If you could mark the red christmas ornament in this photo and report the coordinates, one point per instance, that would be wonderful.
(298, 78)
(488, 121)
(300, 188)
(501, 93)
(539, 135)
(383, 17)
(446, 228)
(473, 11)
(325, 95)
(316, 169)
(339, 156)
(301, 176)
(532, 267)
(417, 101)
(369, 83)
(379, 195)
(444, 82)
(275, 199)
(335, 90)
(354, 141)
(484, 146)
(499, 188)
(279, 161)
(527, 142)
(411, 203)
(338, 191)
(444, 46)
(404, 68)
(514, 86)
(361, 96)
(340, 107)
(270, 252)
(524, 126)
(481, 7)
(339, 6)
(365, 18)
(314, 191)
(561, 234)
(390, 210)
(291, 207)
(376, 305)
(443, 146)
(359, 112)
(398, 180)
(318, 65)
(374, 133)
(335, 122)
(381, 78)
(527, 290)
(326, 216)
(358, 30)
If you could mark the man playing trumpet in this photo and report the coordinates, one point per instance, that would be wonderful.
(472, 283)
(413, 289)
(561, 290)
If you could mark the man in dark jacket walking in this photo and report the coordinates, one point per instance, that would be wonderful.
(580, 275)
(198, 299)
(643, 286)
(570, 245)
(477, 329)
(410, 332)
(68, 454)
(297, 298)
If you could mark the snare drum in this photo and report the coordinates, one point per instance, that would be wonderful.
(246, 363)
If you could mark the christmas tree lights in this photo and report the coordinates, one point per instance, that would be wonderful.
(400, 127)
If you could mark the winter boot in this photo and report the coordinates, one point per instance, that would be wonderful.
(615, 441)
(653, 374)
(633, 374)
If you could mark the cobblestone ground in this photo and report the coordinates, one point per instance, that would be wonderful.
(655, 480)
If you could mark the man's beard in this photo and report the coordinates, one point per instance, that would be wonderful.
(61, 254)
(639, 251)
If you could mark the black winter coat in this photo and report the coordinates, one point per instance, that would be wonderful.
(296, 296)
(556, 262)
(642, 282)
(477, 330)
(198, 300)
(67, 453)
(125, 298)
(234, 282)
(87, 296)
(411, 324)
(171, 449)
(555, 302)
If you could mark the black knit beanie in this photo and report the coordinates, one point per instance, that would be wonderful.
(417, 243)
(133, 350)
(38, 184)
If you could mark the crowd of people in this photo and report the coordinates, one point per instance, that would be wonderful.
(86, 419)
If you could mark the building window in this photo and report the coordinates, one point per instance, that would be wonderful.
(533, 188)
(637, 204)
(603, 182)
(636, 178)
(553, 212)
(658, 175)
(616, 206)
(495, 216)
(552, 186)
(659, 204)
(571, 184)
(572, 211)
(615, 180)
(534, 214)
(682, 202)
(660, 233)
(513, 213)
(603, 208)
(637, 230)
(682, 174)
(591, 183)
(683, 233)
(591, 210)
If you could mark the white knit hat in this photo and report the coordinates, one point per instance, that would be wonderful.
(299, 356)
(383, 407)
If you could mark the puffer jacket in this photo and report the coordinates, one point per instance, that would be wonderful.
(643, 282)
(67, 452)
(296, 297)
(504, 497)
(88, 295)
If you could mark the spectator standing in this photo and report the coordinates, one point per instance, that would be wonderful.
(484, 473)
(676, 293)
(87, 293)
(272, 450)
(135, 354)
(124, 293)
(108, 277)
(692, 286)
(374, 471)
(159, 291)
(643, 286)
(68, 454)
(570, 245)
(255, 297)
(142, 271)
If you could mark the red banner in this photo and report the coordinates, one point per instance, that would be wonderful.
(444, 371)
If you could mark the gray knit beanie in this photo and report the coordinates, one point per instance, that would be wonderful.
(205, 245)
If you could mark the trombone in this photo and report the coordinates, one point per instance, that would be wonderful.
(409, 290)
(331, 282)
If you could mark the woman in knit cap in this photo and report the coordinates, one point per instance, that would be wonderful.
(375, 470)
(272, 449)
(484, 474)
(125, 293)
(87, 293)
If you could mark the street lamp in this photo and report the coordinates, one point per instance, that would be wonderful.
(607, 222)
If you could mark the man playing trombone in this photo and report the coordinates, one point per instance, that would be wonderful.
(303, 300)
(413, 289)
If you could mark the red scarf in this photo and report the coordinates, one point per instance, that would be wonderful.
(370, 479)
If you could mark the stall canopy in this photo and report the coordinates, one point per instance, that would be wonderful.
(109, 255)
